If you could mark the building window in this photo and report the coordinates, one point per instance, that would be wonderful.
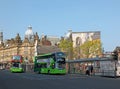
(25, 48)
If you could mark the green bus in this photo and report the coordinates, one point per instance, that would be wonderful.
(51, 63)
(17, 64)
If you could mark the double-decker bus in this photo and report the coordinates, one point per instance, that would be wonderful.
(51, 63)
(16, 64)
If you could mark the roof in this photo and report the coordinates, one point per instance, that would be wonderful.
(89, 60)
(48, 49)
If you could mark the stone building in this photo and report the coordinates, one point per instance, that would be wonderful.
(117, 49)
(78, 39)
(25, 47)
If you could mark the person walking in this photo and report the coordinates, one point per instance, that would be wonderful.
(91, 69)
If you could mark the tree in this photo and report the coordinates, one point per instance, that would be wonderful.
(66, 46)
(91, 48)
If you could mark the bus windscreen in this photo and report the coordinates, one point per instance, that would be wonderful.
(16, 57)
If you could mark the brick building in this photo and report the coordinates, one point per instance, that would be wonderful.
(25, 47)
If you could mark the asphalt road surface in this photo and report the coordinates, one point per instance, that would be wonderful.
(40, 81)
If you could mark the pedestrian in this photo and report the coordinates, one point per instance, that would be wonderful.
(87, 70)
(91, 69)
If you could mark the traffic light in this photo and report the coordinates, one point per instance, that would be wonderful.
(115, 55)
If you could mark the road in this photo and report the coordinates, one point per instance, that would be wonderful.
(40, 81)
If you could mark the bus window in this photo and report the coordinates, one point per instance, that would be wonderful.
(61, 60)
(38, 65)
(44, 65)
(15, 65)
(41, 65)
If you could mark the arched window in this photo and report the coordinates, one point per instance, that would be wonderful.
(78, 41)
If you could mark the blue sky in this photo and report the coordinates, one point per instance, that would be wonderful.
(56, 17)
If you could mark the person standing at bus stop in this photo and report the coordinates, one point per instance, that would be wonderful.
(87, 70)
(91, 69)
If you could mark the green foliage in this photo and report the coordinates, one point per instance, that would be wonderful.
(91, 48)
(87, 50)
(65, 45)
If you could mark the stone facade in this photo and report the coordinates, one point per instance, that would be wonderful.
(80, 38)
(25, 47)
